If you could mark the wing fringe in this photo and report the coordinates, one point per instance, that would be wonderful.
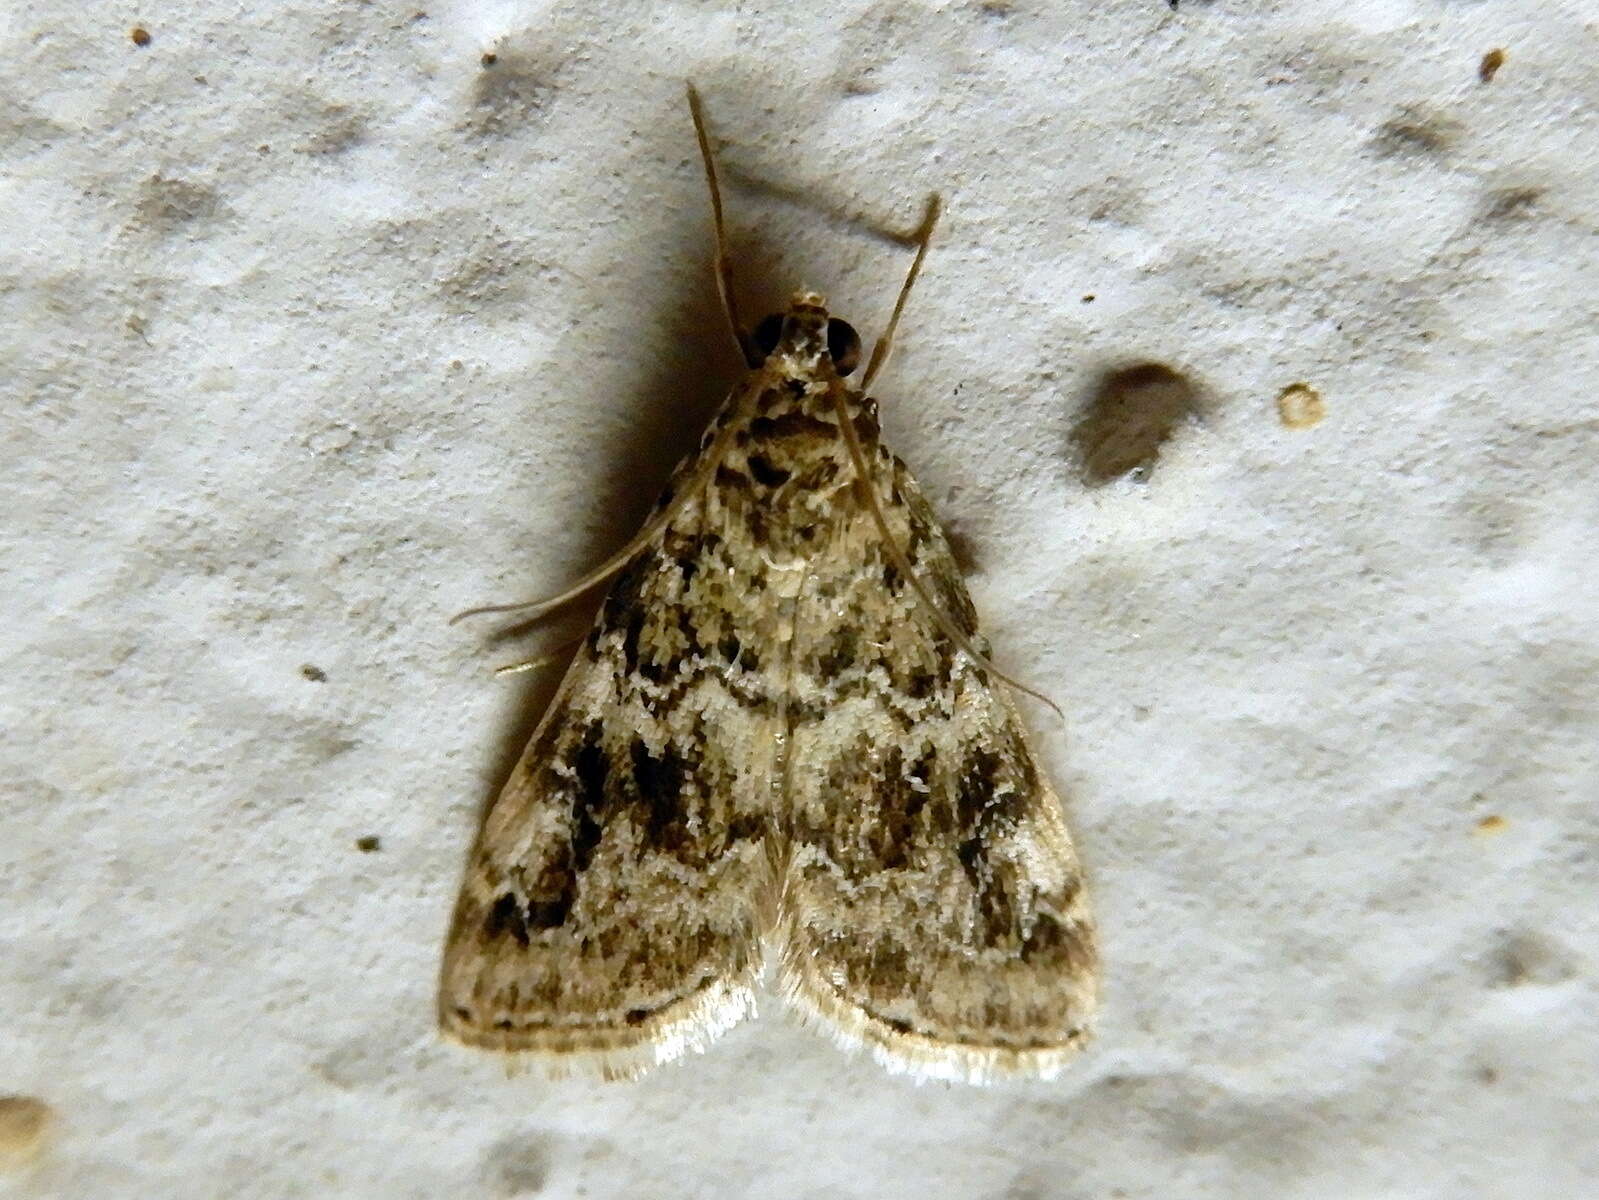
(810, 1001)
(687, 1026)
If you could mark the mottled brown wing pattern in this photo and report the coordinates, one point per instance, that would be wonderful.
(934, 910)
(612, 911)
(770, 737)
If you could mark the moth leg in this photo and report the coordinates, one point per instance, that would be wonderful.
(873, 506)
(687, 485)
(557, 654)
(612, 913)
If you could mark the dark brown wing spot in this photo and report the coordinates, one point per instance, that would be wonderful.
(974, 861)
(792, 424)
(551, 914)
(755, 521)
(659, 782)
(506, 919)
(1047, 938)
(555, 891)
(730, 479)
(766, 472)
(631, 634)
(900, 794)
(982, 813)
(592, 769)
(744, 828)
(839, 655)
(1028, 783)
(818, 475)
(976, 805)
(624, 594)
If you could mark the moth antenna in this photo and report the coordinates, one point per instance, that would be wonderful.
(724, 264)
(901, 560)
(885, 343)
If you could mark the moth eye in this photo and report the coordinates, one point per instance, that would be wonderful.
(769, 332)
(844, 344)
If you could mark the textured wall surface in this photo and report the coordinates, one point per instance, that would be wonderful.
(321, 322)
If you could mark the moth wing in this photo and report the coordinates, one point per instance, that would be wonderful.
(611, 913)
(933, 910)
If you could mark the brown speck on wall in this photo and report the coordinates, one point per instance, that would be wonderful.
(25, 1123)
(1299, 406)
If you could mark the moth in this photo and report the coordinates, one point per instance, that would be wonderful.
(781, 749)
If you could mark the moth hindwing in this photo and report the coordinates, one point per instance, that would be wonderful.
(780, 746)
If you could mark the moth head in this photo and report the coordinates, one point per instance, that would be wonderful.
(806, 334)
